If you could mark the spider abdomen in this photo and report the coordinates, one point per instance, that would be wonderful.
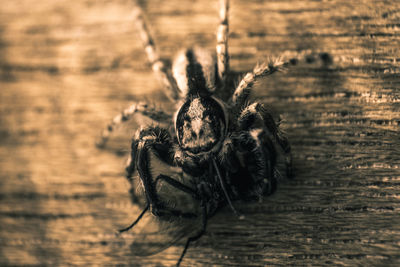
(194, 70)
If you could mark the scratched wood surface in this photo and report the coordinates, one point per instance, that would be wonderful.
(67, 67)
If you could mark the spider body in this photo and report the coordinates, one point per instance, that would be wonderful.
(227, 148)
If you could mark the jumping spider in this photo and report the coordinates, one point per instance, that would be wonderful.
(226, 146)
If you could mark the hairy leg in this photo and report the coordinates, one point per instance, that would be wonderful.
(255, 146)
(158, 66)
(258, 156)
(255, 115)
(126, 114)
(243, 90)
(222, 41)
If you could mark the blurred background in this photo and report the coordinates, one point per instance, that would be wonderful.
(67, 67)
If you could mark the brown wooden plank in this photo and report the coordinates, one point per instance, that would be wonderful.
(67, 67)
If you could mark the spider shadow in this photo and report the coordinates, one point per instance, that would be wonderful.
(272, 229)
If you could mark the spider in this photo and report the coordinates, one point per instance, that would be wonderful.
(227, 147)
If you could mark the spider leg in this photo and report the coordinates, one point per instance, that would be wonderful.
(126, 114)
(258, 155)
(243, 90)
(158, 66)
(198, 235)
(281, 139)
(253, 114)
(222, 41)
(255, 144)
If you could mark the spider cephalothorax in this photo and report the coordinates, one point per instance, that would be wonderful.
(200, 125)
(227, 148)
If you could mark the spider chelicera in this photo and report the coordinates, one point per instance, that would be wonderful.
(227, 147)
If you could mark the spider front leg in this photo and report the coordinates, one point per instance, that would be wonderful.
(255, 115)
(257, 154)
(255, 143)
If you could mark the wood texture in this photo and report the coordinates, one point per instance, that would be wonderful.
(67, 67)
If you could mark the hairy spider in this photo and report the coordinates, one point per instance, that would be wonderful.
(227, 147)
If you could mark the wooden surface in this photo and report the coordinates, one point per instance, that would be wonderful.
(67, 67)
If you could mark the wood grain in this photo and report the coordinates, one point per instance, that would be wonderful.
(67, 67)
